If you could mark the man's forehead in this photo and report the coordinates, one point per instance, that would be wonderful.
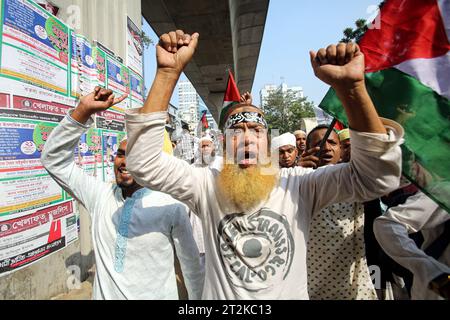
(251, 125)
(320, 133)
(206, 143)
(287, 148)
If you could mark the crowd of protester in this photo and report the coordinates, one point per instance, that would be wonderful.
(306, 215)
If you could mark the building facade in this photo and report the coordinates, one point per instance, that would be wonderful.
(188, 104)
(283, 87)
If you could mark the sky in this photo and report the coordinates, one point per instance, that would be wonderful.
(293, 28)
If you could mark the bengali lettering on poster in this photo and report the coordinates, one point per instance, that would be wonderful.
(111, 120)
(87, 67)
(85, 74)
(35, 47)
(44, 69)
(137, 90)
(110, 145)
(88, 153)
(99, 57)
(118, 80)
(75, 61)
(28, 238)
(24, 182)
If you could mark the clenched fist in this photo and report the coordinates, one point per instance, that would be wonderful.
(340, 66)
(99, 100)
(174, 51)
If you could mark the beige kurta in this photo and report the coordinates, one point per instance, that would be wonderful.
(337, 265)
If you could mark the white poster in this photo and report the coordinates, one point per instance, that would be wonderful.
(135, 48)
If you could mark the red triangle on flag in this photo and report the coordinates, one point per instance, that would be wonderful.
(232, 93)
(408, 30)
(232, 97)
(339, 126)
(204, 120)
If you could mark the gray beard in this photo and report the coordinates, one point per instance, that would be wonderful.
(207, 160)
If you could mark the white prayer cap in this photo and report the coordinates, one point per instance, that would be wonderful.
(206, 138)
(287, 139)
(300, 132)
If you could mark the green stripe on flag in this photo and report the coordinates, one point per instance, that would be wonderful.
(425, 116)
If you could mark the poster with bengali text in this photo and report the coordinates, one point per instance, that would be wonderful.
(137, 90)
(99, 57)
(44, 69)
(110, 145)
(24, 182)
(34, 47)
(135, 48)
(88, 153)
(118, 80)
(27, 238)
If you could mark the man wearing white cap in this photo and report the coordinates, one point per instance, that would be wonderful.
(206, 156)
(287, 149)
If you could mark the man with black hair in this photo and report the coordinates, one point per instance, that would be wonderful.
(135, 230)
(336, 256)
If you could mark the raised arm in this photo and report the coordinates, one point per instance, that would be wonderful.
(58, 154)
(173, 52)
(147, 163)
(342, 67)
(375, 167)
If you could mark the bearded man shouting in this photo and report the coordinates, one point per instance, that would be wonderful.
(255, 216)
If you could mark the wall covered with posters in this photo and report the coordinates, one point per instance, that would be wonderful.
(44, 68)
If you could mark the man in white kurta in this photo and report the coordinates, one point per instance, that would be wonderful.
(134, 234)
(418, 213)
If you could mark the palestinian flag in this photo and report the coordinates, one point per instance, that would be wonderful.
(202, 125)
(204, 120)
(232, 97)
(408, 78)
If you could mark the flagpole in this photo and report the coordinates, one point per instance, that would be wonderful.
(325, 138)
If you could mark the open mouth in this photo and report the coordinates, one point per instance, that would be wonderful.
(124, 171)
(327, 157)
(247, 158)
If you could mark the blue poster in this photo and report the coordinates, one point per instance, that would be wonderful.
(36, 23)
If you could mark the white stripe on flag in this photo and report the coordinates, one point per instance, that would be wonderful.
(434, 73)
(227, 103)
(444, 7)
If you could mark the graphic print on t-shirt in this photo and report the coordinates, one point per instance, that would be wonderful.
(256, 249)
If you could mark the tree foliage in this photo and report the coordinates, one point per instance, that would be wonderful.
(356, 34)
(146, 40)
(284, 111)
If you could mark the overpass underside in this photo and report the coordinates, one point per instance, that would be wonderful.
(231, 33)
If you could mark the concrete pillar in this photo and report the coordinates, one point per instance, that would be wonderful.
(101, 20)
